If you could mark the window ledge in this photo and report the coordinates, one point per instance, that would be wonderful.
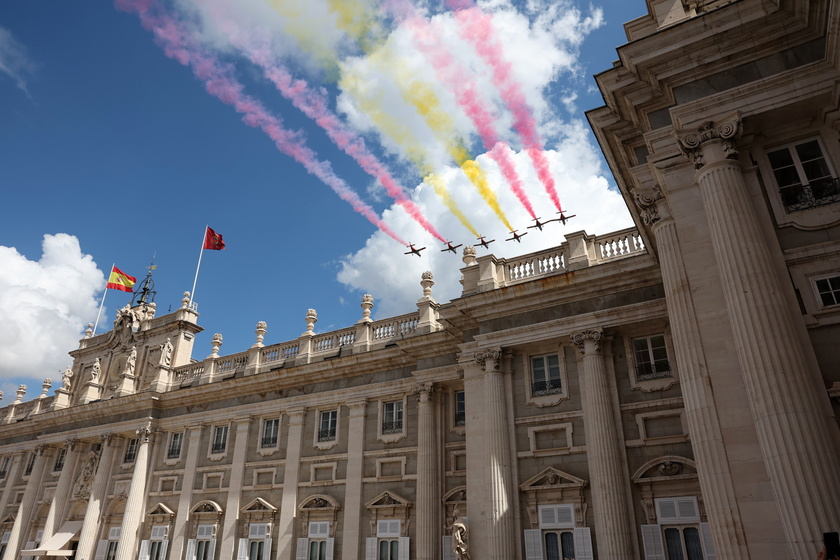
(267, 451)
(653, 385)
(391, 438)
(215, 457)
(323, 445)
(171, 462)
(548, 400)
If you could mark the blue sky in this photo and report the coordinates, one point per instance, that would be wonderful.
(106, 140)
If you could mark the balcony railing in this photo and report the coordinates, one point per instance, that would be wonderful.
(460, 418)
(649, 371)
(542, 388)
(326, 435)
(268, 441)
(219, 447)
(393, 427)
(817, 193)
(173, 452)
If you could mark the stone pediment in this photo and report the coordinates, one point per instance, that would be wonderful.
(319, 502)
(258, 506)
(456, 495)
(159, 509)
(8, 519)
(206, 506)
(388, 499)
(552, 478)
(668, 467)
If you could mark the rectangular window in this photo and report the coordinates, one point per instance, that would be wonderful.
(651, 358)
(255, 550)
(392, 417)
(30, 464)
(202, 549)
(130, 451)
(329, 420)
(59, 459)
(460, 408)
(271, 429)
(220, 434)
(828, 290)
(176, 440)
(559, 544)
(319, 532)
(803, 176)
(545, 375)
(204, 542)
(4, 469)
(112, 550)
(683, 543)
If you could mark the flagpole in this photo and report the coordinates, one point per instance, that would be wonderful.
(200, 253)
(104, 293)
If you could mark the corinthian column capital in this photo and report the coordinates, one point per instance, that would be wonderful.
(594, 335)
(490, 360)
(144, 433)
(423, 392)
(724, 133)
(646, 200)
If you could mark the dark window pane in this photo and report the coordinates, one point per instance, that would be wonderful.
(787, 176)
(780, 158)
(692, 543)
(673, 544)
(809, 150)
(552, 547)
(567, 541)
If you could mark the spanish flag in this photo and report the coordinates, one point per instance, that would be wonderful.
(119, 280)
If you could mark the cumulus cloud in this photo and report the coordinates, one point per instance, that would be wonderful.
(44, 306)
(381, 269)
(14, 60)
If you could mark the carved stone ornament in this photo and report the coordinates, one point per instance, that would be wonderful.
(646, 201)
(81, 487)
(144, 433)
(727, 132)
(579, 340)
(490, 360)
(126, 325)
(66, 378)
(670, 468)
(166, 353)
(423, 392)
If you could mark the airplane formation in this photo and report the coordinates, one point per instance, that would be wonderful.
(482, 242)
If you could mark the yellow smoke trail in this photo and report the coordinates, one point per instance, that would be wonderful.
(300, 27)
(358, 20)
(479, 178)
(439, 186)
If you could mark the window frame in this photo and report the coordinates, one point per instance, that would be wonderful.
(805, 182)
(320, 443)
(397, 434)
(657, 384)
(525, 362)
(214, 451)
(818, 295)
(173, 437)
(459, 417)
(60, 460)
(130, 455)
(266, 442)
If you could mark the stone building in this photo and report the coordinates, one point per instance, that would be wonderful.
(664, 392)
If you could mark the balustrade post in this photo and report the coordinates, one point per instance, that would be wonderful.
(581, 252)
(364, 332)
(305, 341)
(427, 306)
(256, 350)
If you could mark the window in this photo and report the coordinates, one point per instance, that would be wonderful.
(387, 544)
(329, 420)
(651, 358)
(271, 428)
(679, 535)
(30, 464)
(558, 537)
(460, 408)
(205, 543)
(803, 176)
(318, 546)
(157, 543)
(3, 542)
(828, 291)
(130, 451)
(545, 375)
(176, 440)
(107, 548)
(258, 544)
(59, 459)
(392, 417)
(220, 434)
(4, 469)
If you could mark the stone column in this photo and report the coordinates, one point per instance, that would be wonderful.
(21, 526)
(428, 492)
(796, 430)
(606, 477)
(500, 522)
(179, 528)
(11, 477)
(62, 490)
(136, 500)
(353, 489)
(291, 475)
(701, 416)
(98, 489)
(234, 494)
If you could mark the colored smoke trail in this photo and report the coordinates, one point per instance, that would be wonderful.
(219, 83)
(439, 186)
(429, 40)
(477, 27)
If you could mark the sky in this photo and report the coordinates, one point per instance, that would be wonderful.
(317, 137)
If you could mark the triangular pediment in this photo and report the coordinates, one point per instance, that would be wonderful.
(388, 499)
(552, 478)
(160, 509)
(258, 506)
(8, 519)
(667, 467)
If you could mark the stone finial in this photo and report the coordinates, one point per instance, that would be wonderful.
(366, 305)
(311, 319)
(260, 331)
(45, 387)
(426, 280)
(216, 343)
(89, 330)
(469, 255)
(21, 391)
(185, 301)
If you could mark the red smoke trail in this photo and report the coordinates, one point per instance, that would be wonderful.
(313, 103)
(477, 28)
(218, 82)
(429, 40)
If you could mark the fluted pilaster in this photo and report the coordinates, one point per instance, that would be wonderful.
(501, 526)
(234, 495)
(90, 525)
(428, 494)
(713, 470)
(796, 433)
(62, 489)
(288, 508)
(353, 488)
(134, 510)
(185, 500)
(609, 494)
(24, 512)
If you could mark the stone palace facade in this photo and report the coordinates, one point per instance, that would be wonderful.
(664, 392)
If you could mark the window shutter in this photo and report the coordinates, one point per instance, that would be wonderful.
(404, 544)
(446, 546)
(687, 509)
(267, 548)
(114, 533)
(330, 546)
(548, 517)
(708, 542)
(583, 544)
(533, 544)
(302, 552)
(666, 510)
(190, 550)
(370, 548)
(211, 549)
(257, 531)
(557, 516)
(652, 542)
(319, 529)
(144, 551)
(101, 550)
(164, 544)
(242, 552)
(677, 510)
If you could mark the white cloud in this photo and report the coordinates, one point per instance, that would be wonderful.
(381, 269)
(44, 307)
(14, 61)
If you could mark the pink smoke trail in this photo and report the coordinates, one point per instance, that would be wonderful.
(171, 37)
(476, 27)
(428, 39)
(312, 102)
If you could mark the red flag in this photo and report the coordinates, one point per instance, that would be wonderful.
(119, 280)
(213, 240)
